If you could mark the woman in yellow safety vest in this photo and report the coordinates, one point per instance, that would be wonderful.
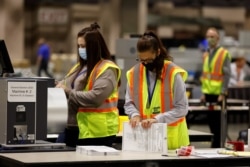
(156, 91)
(92, 90)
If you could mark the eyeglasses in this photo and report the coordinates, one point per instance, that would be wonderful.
(145, 61)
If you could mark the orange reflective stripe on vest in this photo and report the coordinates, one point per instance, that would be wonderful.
(216, 69)
(177, 122)
(219, 62)
(94, 74)
(111, 109)
(137, 79)
(141, 81)
(162, 99)
(212, 76)
(102, 120)
(111, 102)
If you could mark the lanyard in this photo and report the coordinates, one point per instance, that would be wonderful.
(150, 93)
(80, 73)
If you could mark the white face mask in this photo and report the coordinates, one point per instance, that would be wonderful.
(83, 53)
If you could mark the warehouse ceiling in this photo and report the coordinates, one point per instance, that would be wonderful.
(201, 3)
(190, 3)
(156, 20)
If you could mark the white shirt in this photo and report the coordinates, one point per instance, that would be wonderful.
(234, 78)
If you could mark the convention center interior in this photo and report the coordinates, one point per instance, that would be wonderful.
(59, 58)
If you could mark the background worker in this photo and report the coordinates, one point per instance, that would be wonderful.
(43, 57)
(240, 71)
(214, 80)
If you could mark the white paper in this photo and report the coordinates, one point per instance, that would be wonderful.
(212, 155)
(97, 150)
(153, 139)
(57, 110)
(209, 153)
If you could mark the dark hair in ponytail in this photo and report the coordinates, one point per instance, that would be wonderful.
(149, 41)
(95, 46)
(94, 26)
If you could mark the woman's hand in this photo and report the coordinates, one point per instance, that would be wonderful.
(66, 90)
(202, 99)
(146, 123)
(59, 85)
(135, 121)
(221, 98)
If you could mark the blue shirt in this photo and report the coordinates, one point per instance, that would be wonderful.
(44, 52)
(203, 45)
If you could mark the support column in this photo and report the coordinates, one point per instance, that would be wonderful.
(142, 15)
(133, 16)
(12, 27)
(129, 17)
(115, 25)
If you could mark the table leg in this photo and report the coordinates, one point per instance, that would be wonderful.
(223, 118)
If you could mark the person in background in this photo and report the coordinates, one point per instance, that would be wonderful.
(43, 57)
(215, 78)
(156, 91)
(239, 70)
(91, 87)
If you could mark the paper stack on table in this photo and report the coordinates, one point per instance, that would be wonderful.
(97, 150)
(209, 153)
(153, 139)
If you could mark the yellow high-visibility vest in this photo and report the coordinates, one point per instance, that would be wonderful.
(212, 76)
(162, 99)
(103, 120)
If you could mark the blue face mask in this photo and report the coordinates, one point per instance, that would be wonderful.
(83, 53)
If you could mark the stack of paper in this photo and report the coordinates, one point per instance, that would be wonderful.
(153, 139)
(209, 153)
(97, 150)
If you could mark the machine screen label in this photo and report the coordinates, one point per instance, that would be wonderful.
(22, 91)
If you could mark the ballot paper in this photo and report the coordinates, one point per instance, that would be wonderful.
(209, 153)
(57, 111)
(153, 139)
(97, 150)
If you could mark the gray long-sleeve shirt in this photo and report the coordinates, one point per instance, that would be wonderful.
(180, 101)
(102, 88)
